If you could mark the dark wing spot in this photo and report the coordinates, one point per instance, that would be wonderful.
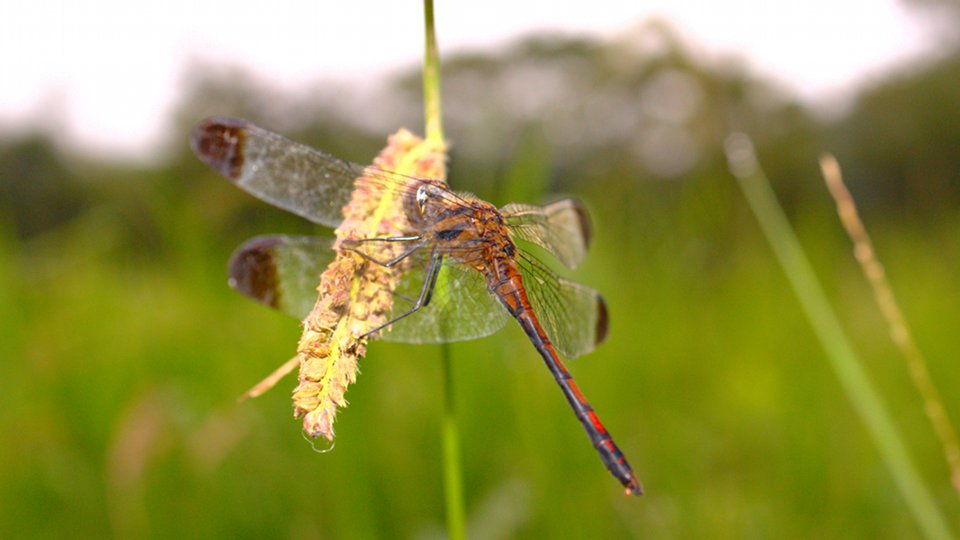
(253, 271)
(449, 234)
(603, 321)
(586, 230)
(219, 142)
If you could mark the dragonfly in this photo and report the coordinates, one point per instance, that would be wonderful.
(467, 266)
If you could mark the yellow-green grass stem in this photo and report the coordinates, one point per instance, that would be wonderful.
(452, 471)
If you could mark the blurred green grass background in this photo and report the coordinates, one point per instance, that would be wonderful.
(123, 350)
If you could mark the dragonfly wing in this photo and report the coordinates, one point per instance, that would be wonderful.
(562, 228)
(281, 271)
(461, 308)
(573, 315)
(284, 173)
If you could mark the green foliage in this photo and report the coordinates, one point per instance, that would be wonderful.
(908, 128)
(123, 350)
(37, 191)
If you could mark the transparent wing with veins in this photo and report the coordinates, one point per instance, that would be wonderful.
(574, 316)
(561, 227)
(289, 175)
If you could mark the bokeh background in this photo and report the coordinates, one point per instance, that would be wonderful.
(122, 350)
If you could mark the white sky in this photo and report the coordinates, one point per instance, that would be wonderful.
(110, 67)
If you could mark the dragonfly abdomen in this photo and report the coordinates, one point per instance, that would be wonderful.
(507, 285)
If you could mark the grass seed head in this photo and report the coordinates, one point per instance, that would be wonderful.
(355, 295)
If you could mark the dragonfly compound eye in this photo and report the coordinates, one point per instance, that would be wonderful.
(422, 199)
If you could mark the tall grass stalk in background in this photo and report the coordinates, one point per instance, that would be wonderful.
(899, 330)
(452, 475)
(756, 188)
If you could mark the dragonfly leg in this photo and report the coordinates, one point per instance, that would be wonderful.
(349, 244)
(418, 242)
(387, 239)
(426, 293)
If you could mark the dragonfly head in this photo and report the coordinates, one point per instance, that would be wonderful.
(422, 197)
(426, 193)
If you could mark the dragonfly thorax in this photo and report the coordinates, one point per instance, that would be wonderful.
(468, 230)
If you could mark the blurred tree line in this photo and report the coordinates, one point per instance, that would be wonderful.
(640, 109)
